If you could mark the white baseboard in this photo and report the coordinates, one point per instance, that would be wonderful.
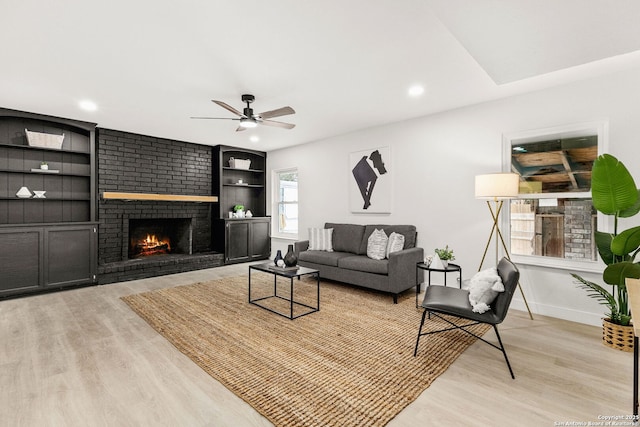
(594, 319)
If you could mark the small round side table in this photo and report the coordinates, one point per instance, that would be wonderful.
(450, 268)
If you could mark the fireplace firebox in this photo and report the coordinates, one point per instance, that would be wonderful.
(159, 236)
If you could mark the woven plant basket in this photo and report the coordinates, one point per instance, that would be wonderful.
(617, 336)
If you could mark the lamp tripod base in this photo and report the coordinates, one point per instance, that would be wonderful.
(495, 214)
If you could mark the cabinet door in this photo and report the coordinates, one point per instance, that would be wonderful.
(70, 255)
(237, 241)
(260, 239)
(21, 255)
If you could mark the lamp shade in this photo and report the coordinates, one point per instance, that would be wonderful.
(497, 186)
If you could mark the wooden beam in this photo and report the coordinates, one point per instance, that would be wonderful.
(114, 195)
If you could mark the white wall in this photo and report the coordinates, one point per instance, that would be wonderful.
(435, 160)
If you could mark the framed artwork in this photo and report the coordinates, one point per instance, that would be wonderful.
(370, 181)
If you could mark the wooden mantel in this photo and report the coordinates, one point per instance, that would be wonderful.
(114, 195)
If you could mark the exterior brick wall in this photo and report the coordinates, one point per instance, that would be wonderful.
(134, 163)
(578, 230)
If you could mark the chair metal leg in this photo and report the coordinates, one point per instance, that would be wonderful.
(495, 328)
(424, 314)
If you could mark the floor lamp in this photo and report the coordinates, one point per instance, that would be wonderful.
(498, 187)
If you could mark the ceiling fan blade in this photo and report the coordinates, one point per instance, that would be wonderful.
(277, 124)
(228, 107)
(277, 113)
(215, 118)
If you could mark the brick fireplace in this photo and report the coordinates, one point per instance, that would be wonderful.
(158, 236)
(141, 164)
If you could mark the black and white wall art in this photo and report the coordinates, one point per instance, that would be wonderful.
(370, 181)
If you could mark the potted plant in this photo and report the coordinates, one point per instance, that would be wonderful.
(44, 166)
(239, 210)
(445, 255)
(614, 192)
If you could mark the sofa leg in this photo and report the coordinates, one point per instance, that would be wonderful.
(395, 298)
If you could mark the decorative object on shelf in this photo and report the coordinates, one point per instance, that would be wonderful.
(278, 260)
(44, 140)
(239, 163)
(44, 166)
(248, 214)
(39, 194)
(239, 211)
(498, 187)
(290, 259)
(24, 193)
(614, 192)
(445, 255)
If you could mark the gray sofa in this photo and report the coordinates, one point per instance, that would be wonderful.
(349, 263)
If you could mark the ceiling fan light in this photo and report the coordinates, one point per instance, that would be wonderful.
(248, 123)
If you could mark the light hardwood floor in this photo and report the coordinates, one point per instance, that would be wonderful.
(83, 358)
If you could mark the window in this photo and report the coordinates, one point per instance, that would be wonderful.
(552, 221)
(286, 186)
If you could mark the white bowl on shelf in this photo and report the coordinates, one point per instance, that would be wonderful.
(37, 194)
(23, 193)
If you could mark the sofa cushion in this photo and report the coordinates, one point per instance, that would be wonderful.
(364, 263)
(377, 245)
(320, 239)
(408, 231)
(323, 257)
(347, 237)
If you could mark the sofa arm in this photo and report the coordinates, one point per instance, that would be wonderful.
(300, 246)
(402, 268)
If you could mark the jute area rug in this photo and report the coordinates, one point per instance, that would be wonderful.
(350, 364)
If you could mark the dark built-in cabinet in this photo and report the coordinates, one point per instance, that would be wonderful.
(241, 239)
(48, 242)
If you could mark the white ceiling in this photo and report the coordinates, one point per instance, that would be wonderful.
(342, 65)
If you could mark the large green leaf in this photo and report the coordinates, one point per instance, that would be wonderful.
(626, 242)
(615, 274)
(633, 210)
(603, 242)
(612, 186)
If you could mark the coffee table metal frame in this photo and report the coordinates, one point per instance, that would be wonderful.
(289, 274)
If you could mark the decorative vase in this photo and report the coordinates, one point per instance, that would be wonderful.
(617, 336)
(44, 167)
(278, 257)
(445, 263)
(290, 259)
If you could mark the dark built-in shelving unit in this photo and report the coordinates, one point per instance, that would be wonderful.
(50, 242)
(241, 239)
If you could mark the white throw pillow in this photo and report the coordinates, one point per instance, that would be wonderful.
(377, 244)
(484, 287)
(321, 239)
(395, 244)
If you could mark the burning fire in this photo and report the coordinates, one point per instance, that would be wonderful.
(152, 245)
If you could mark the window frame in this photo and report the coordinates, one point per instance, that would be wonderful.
(604, 223)
(276, 202)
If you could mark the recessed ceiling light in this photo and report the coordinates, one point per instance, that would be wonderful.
(254, 138)
(88, 105)
(416, 90)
